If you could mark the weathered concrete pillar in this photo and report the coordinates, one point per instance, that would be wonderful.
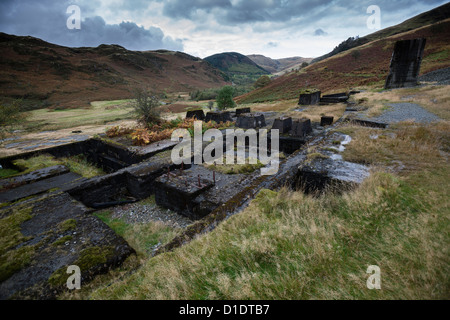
(284, 124)
(405, 63)
(301, 127)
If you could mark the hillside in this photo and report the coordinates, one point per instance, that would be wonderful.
(369, 67)
(433, 16)
(47, 74)
(278, 65)
(240, 69)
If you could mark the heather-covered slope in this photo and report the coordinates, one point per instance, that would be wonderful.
(54, 75)
(367, 65)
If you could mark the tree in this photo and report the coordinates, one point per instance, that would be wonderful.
(146, 106)
(225, 98)
(11, 114)
(304, 65)
(262, 81)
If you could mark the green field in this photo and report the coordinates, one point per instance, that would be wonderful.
(100, 112)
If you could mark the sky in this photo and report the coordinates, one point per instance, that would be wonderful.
(274, 28)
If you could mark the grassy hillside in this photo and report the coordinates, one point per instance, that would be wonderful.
(430, 17)
(368, 68)
(240, 69)
(47, 74)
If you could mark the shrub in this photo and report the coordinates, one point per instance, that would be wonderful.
(142, 137)
(118, 131)
(146, 107)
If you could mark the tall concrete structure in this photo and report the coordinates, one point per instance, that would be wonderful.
(405, 63)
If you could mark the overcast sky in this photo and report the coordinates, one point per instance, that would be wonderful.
(275, 28)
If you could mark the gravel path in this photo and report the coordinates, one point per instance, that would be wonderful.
(398, 112)
(406, 111)
(145, 213)
(441, 77)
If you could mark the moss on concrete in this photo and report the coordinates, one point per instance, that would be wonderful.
(11, 259)
(67, 225)
(309, 91)
(88, 259)
(61, 241)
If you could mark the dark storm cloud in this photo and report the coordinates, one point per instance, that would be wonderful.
(235, 12)
(243, 11)
(187, 9)
(46, 19)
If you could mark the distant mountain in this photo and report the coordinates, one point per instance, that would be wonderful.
(433, 16)
(267, 63)
(277, 66)
(240, 69)
(49, 74)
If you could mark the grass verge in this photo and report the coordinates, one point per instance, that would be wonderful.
(77, 164)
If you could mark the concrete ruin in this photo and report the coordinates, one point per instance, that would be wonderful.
(334, 98)
(55, 195)
(301, 127)
(251, 121)
(240, 111)
(326, 121)
(325, 170)
(405, 63)
(195, 114)
(309, 97)
(59, 232)
(177, 191)
(284, 124)
(218, 116)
